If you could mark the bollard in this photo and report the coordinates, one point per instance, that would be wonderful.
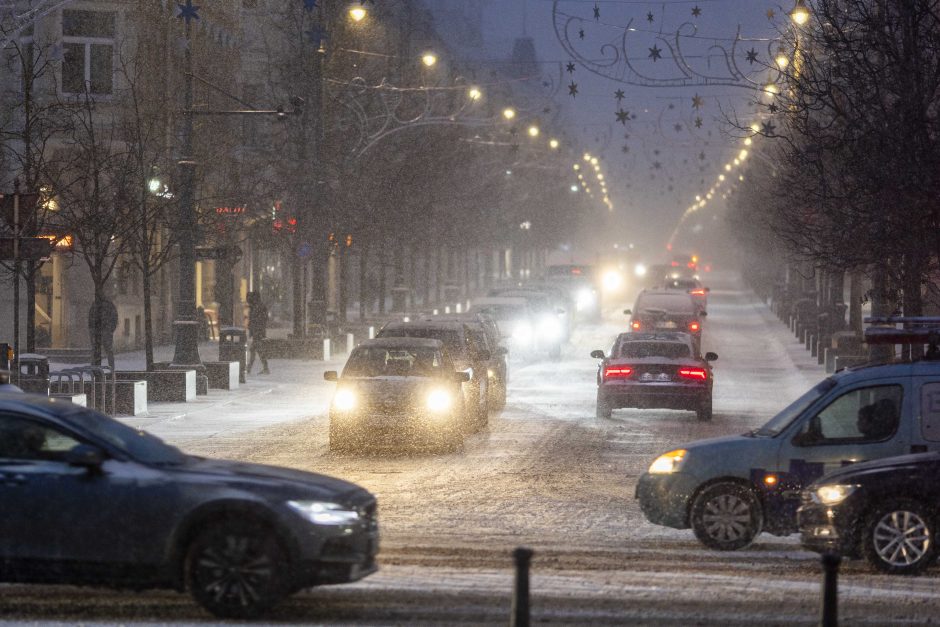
(830, 590)
(447, 309)
(371, 333)
(327, 355)
(520, 593)
(459, 308)
(350, 343)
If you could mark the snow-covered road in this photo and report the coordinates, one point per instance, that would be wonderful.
(549, 475)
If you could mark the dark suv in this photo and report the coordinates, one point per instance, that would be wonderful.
(485, 332)
(88, 500)
(466, 354)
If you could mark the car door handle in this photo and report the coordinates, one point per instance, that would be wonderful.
(12, 479)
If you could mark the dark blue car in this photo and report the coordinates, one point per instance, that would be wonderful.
(88, 500)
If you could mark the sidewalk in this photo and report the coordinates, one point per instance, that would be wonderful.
(294, 390)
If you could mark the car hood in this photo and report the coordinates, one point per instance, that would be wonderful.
(733, 455)
(288, 481)
(854, 472)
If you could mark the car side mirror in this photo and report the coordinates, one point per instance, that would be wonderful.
(462, 377)
(598, 354)
(501, 351)
(85, 456)
(485, 355)
(331, 375)
(711, 356)
(628, 312)
(703, 314)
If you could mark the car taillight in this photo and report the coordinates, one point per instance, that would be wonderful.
(617, 372)
(697, 292)
(698, 374)
(635, 325)
(695, 327)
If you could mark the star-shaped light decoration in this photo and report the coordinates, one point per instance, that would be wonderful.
(597, 12)
(768, 128)
(625, 149)
(671, 106)
(581, 33)
(622, 116)
(771, 14)
(751, 56)
(657, 165)
(772, 107)
(619, 95)
(701, 156)
(697, 102)
(570, 68)
(187, 12)
(655, 53)
(650, 17)
(573, 89)
(696, 11)
(365, 2)
(698, 122)
(678, 127)
(310, 5)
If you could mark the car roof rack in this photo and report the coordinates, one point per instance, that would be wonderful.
(916, 330)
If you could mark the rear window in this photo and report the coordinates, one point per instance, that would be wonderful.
(667, 350)
(675, 303)
(394, 362)
(681, 284)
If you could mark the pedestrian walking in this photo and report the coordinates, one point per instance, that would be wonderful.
(104, 315)
(257, 331)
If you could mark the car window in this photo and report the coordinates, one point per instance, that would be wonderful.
(23, 439)
(394, 362)
(667, 350)
(869, 414)
(452, 340)
(792, 411)
(930, 411)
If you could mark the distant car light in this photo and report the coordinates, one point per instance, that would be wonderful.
(617, 372)
(585, 299)
(635, 325)
(612, 280)
(698, 374)
(695, 327)
(697, 292)
(439, 401)
(668, 463)
(550, 328)
(344, 400)
(640, 270)
(320, 513)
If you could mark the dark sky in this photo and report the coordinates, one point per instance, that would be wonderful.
(655, 161)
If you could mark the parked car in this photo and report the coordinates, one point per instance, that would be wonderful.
(466, 354)
(485, 332)
(88, 500)
(885, 510)
(400, 390)
(664, 310)
(730, 489)
(654, 371)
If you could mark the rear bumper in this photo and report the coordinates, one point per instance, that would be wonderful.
(655, 395)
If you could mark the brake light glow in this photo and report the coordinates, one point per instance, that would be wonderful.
(698, 292)
(699, 374)
(635, 325)
(695, 327)
(617, 372)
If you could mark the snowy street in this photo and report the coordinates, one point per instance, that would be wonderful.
(547, 474)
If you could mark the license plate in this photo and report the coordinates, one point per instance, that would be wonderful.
(667, 325)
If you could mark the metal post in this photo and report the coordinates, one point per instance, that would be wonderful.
(830, 590)
(186, 325)
(520, 595)
(16, 280)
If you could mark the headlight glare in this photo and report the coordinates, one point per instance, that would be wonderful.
(550, 327)
(668, 463)
(522, 332)
(833, 494)
(322, 513)
(439, 401)
(344, 400)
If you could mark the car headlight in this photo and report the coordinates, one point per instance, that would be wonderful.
(522, 332)
(322, 513)
(550, 327)
(344, 400)
(612, 280)
(833, 494)
(668, 463)
(585, 298)
(439, 401)
(640, 270)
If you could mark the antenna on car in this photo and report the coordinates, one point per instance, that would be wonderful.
(916, 330)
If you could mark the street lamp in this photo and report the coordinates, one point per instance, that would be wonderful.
(553, 144)
(154, 185)
(533, 131)
(800, 14)
(429, 59)
(509, 113)
(782, 60)
(358, 14)
(474, 93)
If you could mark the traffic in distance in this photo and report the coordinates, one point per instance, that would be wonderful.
(850, 464)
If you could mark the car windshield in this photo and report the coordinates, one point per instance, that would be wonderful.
(782, 420)
(394, 362)
(666, 350)
(140, 445)
(450, 338)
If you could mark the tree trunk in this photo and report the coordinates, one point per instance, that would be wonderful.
(364, 291)
(383, 277)
(31, 271)
(148, 309)
(297, 293)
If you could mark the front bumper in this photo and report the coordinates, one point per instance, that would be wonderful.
(655, 395)
(378, 429)
(824, 528)
(664, 499)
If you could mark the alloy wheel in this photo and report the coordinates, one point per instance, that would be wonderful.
(901, 538)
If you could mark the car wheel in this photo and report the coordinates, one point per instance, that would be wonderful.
(236, 570)
(604, 410)
(899, 538)
(704, 411)
(726, 516)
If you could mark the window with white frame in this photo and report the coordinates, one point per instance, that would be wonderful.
(88, 51)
